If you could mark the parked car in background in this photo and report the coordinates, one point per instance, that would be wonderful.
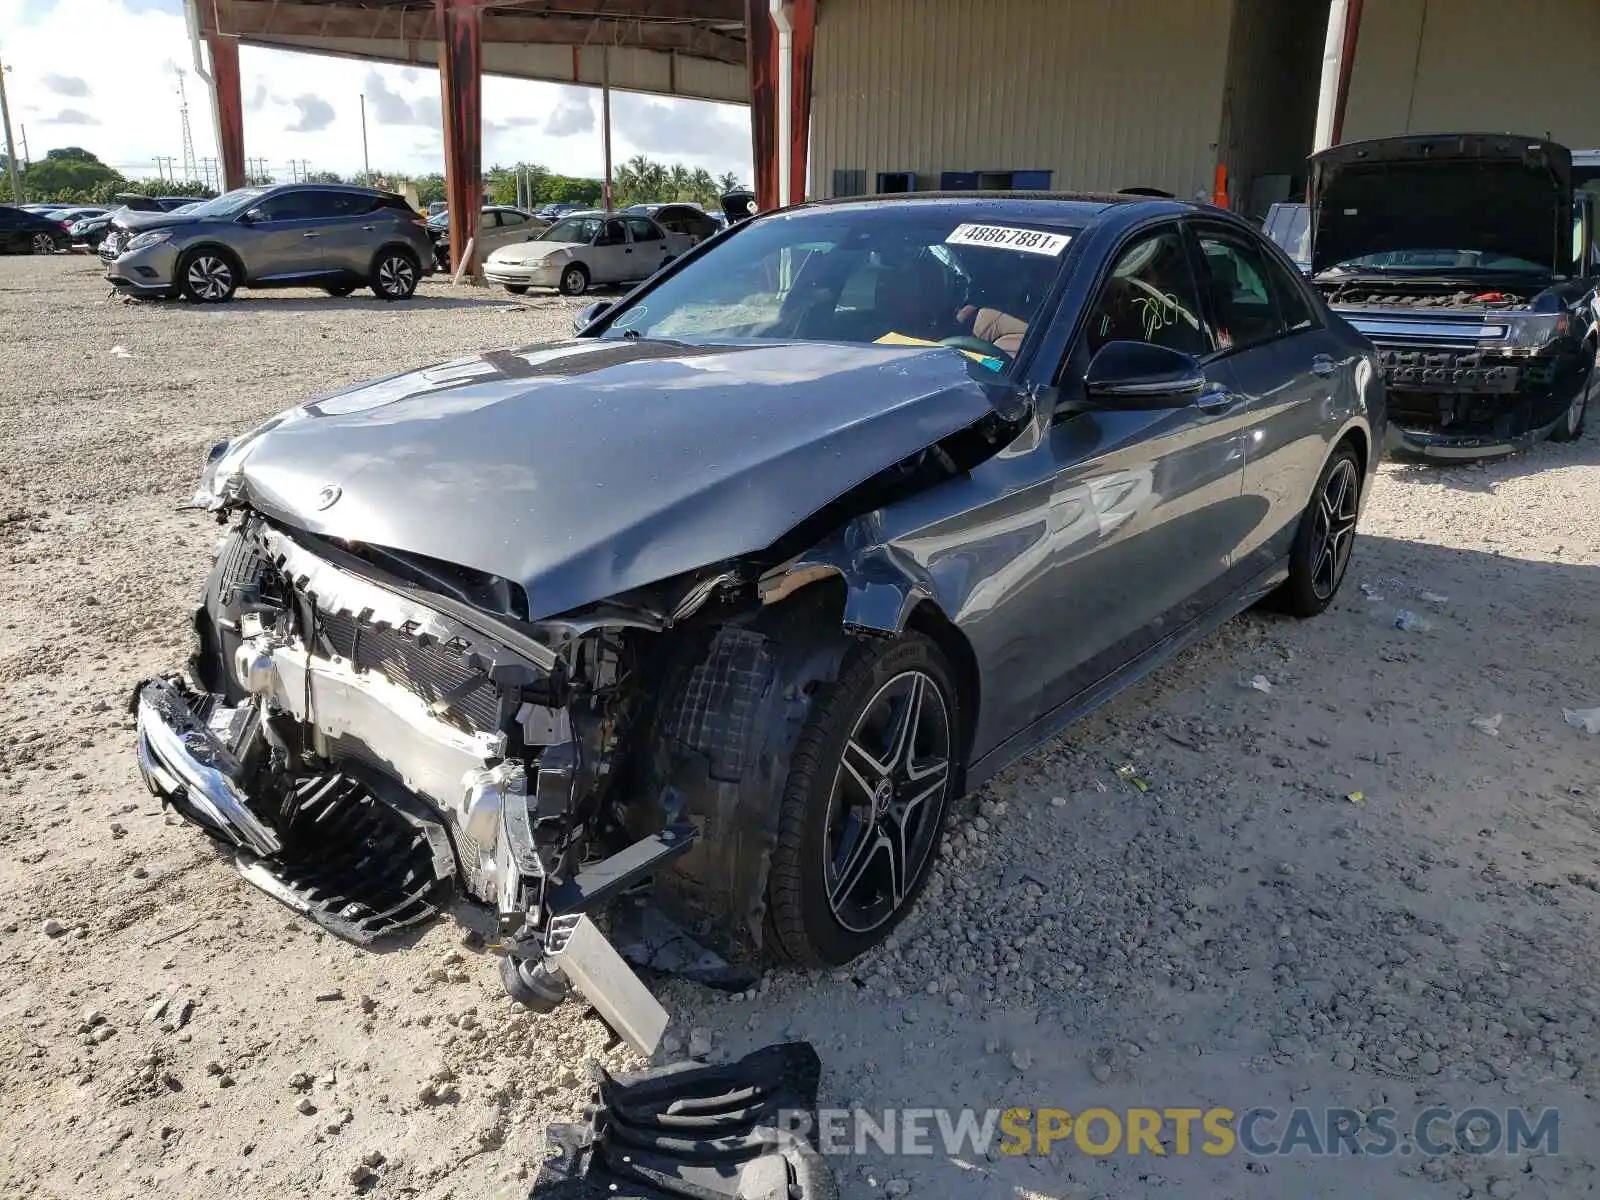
(70, 216)
(435, 207)
(1469, 259)
(24, 232)
(583, 249)
(979, 464)
(1289, 226)
(330, 236)
(498, 225)
(135, 202)
(688, 219)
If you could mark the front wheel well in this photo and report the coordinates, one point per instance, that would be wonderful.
(929, 620)
(1357, 440)
(226, 252)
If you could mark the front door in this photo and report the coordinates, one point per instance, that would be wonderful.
(612, 253)
(282, 237)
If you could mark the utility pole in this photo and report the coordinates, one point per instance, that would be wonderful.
(27, 159)
(366, 165)
(165, 168)
(11, 147)
(605, 116)
(189, 170)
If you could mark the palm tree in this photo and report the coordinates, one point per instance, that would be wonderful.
(727, 182)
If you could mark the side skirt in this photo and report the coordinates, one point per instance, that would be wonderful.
(1093, 696)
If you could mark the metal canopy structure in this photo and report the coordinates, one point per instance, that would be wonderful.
(755, 52)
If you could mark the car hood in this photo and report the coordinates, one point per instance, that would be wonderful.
(139, 222)
(522, 253)
(588, 468)
(1497, 193)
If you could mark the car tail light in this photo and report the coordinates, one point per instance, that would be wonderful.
(67, 225)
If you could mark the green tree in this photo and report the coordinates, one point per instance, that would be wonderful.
(429, 188)
(68, 173)
(727, 182)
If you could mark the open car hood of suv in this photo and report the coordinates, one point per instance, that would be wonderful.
(1499, 193)
(591, 467)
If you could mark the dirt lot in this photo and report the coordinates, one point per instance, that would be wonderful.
(1341, 892)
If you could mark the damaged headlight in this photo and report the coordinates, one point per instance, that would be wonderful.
(220, 477)
(142, 241)
(1529, 331)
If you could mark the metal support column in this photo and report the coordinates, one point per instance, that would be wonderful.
(461, 82)
(605, 121)
(1338, 64)
(228, 102)
(761, 49)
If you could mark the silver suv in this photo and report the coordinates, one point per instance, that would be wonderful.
(297, 235)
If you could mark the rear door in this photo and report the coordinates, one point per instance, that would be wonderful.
(349, 227)
(650, 246)
(11, 237)
(1287, 366)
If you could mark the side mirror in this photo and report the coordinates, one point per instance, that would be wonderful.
(1139, 376)
(588, 314)
(251, 216)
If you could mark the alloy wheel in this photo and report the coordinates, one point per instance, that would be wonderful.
(888, 793)
(396, 275)
(209, 277)
(1334, 529)
(43, 243)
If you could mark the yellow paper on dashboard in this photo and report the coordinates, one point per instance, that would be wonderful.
(900, 339)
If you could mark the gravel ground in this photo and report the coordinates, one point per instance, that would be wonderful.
(1339, 892)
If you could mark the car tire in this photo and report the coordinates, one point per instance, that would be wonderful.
(516, 289)
(339, 289)
(43, 243)
(394, 275)
(574, 279)
(864, 804)
(1322, 546)
(1570, 427)
(207, 276)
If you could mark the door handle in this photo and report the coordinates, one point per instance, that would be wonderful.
(1216, 399)
(368, 228)
(1323, 364)
(308, 234)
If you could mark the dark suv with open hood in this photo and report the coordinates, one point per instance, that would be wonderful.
(1469, 261)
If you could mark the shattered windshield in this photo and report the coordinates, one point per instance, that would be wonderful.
(891, 276)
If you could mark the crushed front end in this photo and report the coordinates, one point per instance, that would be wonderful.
(1470, 373)
(369, 745)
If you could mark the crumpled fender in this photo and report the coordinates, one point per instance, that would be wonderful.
(883, 585)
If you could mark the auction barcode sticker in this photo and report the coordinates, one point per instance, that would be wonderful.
(1006, 237)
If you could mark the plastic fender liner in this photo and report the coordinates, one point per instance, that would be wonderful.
(690, 1131)
(730, 710)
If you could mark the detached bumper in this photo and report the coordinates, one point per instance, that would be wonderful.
(1457, 447)
(187, 764)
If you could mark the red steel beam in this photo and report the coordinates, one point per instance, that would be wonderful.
(762, 57)
(1347, 66)
(461, 84)
(230, 108)
(803, 18)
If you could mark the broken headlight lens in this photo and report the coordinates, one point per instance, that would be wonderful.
(1529, 331)
(142, 241)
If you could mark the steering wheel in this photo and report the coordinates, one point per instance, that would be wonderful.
(976, 344)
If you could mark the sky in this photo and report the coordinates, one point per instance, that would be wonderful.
(103, 74)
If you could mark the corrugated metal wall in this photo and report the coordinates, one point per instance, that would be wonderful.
(1269, 108)
(1523, 66)
(1104, 93)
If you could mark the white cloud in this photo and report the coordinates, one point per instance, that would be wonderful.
(315, 113)
(65, 85)
(306, 107)
(71, 116)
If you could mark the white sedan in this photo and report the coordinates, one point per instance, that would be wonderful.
(583, 249)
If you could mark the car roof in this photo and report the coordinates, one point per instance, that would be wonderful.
(1070, 207)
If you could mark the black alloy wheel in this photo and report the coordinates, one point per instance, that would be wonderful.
(1322, 547)
(1570, 427)
(43, 243)
(207, 277)
(865, 803)
(394, 276)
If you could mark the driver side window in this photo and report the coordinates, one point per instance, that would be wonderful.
(613, 233)
(1150, 296)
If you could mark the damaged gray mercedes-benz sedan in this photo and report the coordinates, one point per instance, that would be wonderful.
(742, 585)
